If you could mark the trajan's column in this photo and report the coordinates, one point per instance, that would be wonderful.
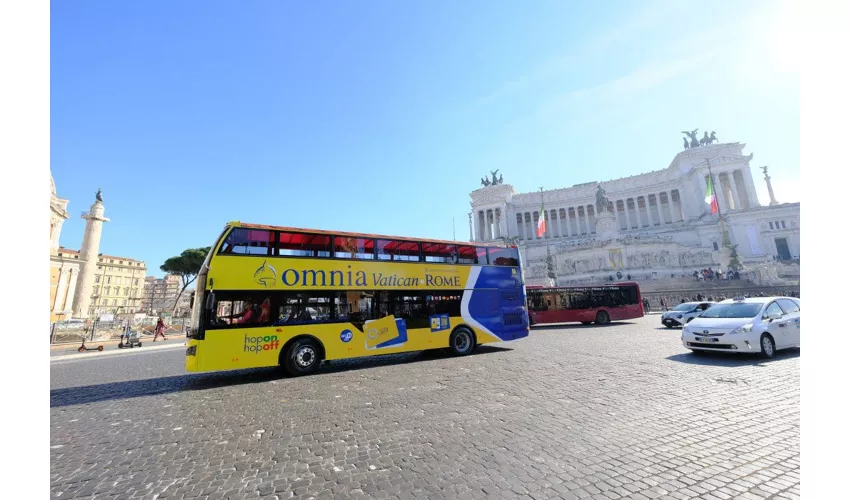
(88, 257)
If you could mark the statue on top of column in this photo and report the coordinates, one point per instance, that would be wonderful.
(99, 195)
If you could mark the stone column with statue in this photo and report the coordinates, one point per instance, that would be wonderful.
(89, 256)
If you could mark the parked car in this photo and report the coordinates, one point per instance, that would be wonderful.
(760, 325)
(682, 313)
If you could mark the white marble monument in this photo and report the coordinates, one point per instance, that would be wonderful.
(655, 225)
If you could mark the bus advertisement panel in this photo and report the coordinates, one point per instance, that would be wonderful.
(593, 304)
(270, 296)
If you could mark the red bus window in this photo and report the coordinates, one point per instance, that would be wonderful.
(303, 245)
(407, 251)
(472, 255)
(243, 241)
(354, 248)
(439, 252)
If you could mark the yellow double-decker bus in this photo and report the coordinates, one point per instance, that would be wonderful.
(279, 296)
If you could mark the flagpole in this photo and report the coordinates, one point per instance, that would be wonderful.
(549, 264)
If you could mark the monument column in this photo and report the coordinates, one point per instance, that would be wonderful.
(88, 256)
(735, 196)
(60, 290)
(769, 186)
(72, 288)
(471, 236)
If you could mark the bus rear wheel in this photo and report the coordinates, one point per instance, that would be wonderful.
(302, 357)
(602, 318)
(462, 341)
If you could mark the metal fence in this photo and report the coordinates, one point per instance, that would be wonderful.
(64, 332)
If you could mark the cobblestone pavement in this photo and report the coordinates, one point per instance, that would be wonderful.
(622, 411)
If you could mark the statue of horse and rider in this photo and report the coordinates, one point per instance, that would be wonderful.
(496, 180)
(695, 143)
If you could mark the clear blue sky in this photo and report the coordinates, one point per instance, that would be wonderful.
(382, 116)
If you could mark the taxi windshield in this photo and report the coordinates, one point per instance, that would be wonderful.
(733, 310)
(684, 307)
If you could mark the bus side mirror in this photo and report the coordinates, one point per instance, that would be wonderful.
(210, 303)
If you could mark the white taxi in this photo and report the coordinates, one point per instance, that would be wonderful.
(760, 325)
(683, 313)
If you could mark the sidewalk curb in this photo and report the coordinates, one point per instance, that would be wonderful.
(114, 352)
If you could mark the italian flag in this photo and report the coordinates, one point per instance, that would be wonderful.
(541, 223)
(711, 197)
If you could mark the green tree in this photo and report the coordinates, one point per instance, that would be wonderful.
(186, 265)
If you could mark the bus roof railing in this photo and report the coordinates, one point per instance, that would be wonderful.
(362, 235)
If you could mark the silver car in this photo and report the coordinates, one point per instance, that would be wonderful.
(683, 313)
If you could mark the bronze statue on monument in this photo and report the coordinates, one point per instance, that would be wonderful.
(601, 199)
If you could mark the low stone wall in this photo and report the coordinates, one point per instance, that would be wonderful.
(674, 297)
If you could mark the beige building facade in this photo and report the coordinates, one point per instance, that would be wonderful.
(160, 294)
(117, 282)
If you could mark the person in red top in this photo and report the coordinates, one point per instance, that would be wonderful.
(159, 330)
(265, 311)
(246, 316)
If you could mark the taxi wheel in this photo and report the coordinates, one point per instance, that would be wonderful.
(668, 326)
(462, 341)
(302, 358)
(768, 346)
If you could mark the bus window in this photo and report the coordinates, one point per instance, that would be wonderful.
(251, 309)
(303, 245)
(504, 256)
(354, 248)
(407, 251)
(472, 255)
(439, 252)
(303, 308)
(242, 241)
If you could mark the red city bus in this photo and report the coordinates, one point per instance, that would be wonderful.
(585, 304)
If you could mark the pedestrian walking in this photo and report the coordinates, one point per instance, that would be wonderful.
(159, 330)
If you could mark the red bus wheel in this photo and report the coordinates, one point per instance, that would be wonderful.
(602, 318)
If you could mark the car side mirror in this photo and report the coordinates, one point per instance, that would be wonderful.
(773, 316)
(210, 304)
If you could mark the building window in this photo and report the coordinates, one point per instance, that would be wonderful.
(126, 291)
(771, 225)
(783, 224)
(106, 290)
(96, 289)
(715, 246)
(111, 261)
(108, 279)
(120, 261)
(136, 282)
(97, 279)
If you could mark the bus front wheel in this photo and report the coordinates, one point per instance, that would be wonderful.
(302, 358)
(462, 341)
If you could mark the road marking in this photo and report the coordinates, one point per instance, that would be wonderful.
(80, 356)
